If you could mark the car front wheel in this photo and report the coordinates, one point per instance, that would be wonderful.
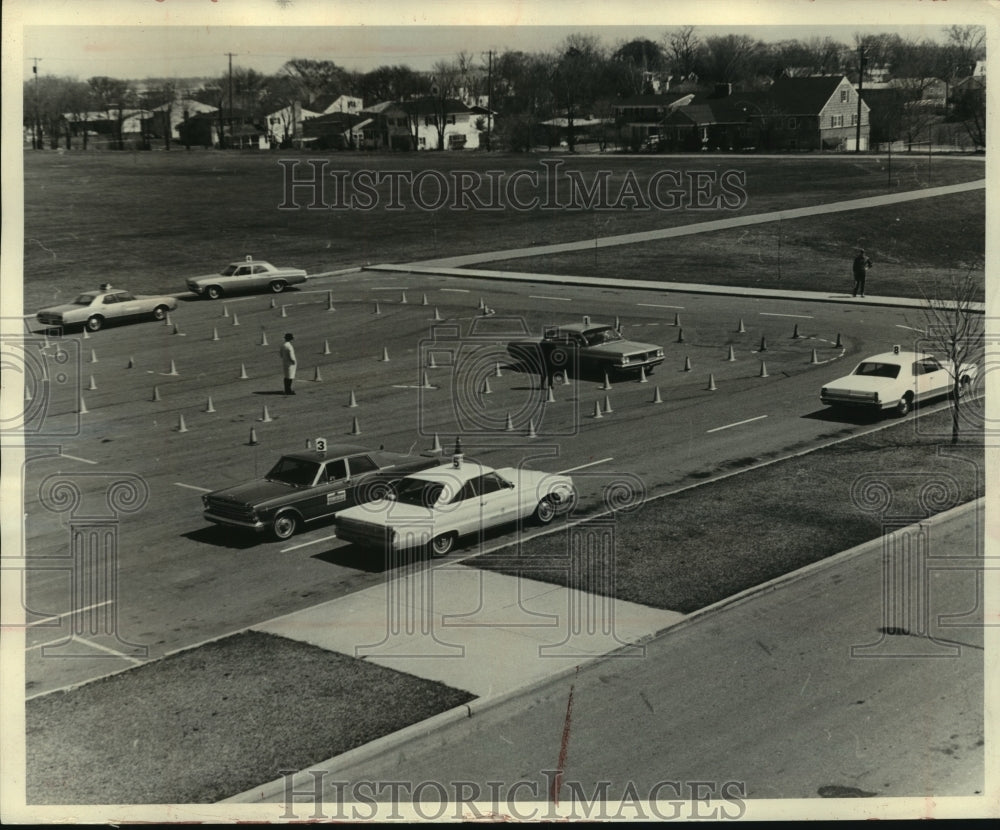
(285, 525)
(546, 511)
(442, 545)
(214, 292)
(904, 405)
(160, 312)
(94, 323)
(278, 286)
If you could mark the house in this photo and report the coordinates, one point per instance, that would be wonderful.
(421, 124)
(640, 116)
(335, 131)
(176, 112)
(327, 104)
(707, 123)
(814, 113)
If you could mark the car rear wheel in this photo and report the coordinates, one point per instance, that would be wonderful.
(546, 511)
(904, 405)
(160, 312)
(285, 525)
(442, 545)
(94, 323)
(214, 292)
(278, 286)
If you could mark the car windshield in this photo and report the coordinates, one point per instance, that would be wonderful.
(876, 369)
(294, 471)
(418, 491)
(84, 299)
(608, 335)
(229, 270)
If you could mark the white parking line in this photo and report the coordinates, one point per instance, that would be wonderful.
(774, 314)
(75, 458)
(911, 328)
(542, 297)
(584, 466)
(738, 423)
(192, 487)
(457, 290)
(659, 305)
(307, 544)
(67, 613)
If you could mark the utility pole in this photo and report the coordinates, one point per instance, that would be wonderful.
(230, 93)
(489, 102)
(35, 142)
(861, 85)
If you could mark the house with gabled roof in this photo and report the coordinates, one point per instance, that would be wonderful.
(707, 123)
(420, 123)
(640, 116)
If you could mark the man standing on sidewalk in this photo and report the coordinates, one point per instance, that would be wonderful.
(861, 266)
(288, 362)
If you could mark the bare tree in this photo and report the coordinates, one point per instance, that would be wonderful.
(955, 329)
(685, 51)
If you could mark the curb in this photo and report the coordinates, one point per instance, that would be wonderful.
(481, 705)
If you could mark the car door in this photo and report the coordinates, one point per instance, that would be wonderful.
(259, 276)
(498, 500)
(110, 307)
(462, 513)
(243, 276)
(933, 379)
(328, 493)
(128, 305)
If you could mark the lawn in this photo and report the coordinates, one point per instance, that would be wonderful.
(148, 220)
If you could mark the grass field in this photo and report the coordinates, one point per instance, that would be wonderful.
(148, 220)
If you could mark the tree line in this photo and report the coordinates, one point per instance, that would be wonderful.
(579, 78)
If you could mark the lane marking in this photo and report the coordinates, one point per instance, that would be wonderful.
(775, 314)
(659, 305)
(738, 423)
(911, 328)
(389, 288)
(67, 613)
(75, 458)
(542, 297)
(584, 466)
(457, 290)
(92, 644)
(192, 487)
(307, 544)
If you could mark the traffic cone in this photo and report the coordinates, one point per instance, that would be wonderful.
(253, 438)
(680, 335)
(402, 300)
(215, 334)
(27, 394)
(531, 429)
(436, 447)
(642, 375)
(607, 405)
(236, 320)
(814, 358)
(93, 384)
(385, 355)
(509, 426)
(355, 428)
(209, 406)
(838, 344)
(243, 372)
(677, 319)
(326, 347)
(424, 300)
(597, 410)
(607, 383)
(86, 335)
(711, 383)
(83, 406)
(156, 393)
(265, 416)
(225, 310)
(263, 338)
(352, 402)
(274, 303)
(741, 329)
(565, 378)
(93, 356)
(763, 370)
(173, 369)
(317, 377)
(486, 387)
(732, 356)
(482, 305)
(618, 324)
(181, 426)
(378, 310)
(795, 332)
(763, 344)
(284, 311)
(130, 364)
(175, 330)
(656, 395)
(329, 301)
(437, 315)
(427, 383)
(550, 397)
(431, 363)
(496, 372)
(687, 364)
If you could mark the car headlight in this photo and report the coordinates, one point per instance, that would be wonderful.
(204, 501)
(659, 352)
(625, 360)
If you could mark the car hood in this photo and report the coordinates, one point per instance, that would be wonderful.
(254, 492)
(623, 347)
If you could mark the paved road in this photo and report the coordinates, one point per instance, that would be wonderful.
(793, 693)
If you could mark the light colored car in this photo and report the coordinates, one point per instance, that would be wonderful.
(896, 381)
(436, 507)
(245, 276)
(309, 486)
(586, 346)
(95, 308)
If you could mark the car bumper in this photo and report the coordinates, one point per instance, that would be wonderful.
(257, 526)
(855, 403)
(194, 287)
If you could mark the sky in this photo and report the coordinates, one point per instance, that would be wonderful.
(135, 39)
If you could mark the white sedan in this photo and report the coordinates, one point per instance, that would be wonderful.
(95, 308)
(896, 381)
(248, 275)
(436, 507)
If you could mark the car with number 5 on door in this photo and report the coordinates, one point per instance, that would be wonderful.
(306, 487)
(896, 381)
(435, 508)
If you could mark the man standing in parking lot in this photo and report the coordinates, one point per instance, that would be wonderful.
(861, 265)
(288, 362)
